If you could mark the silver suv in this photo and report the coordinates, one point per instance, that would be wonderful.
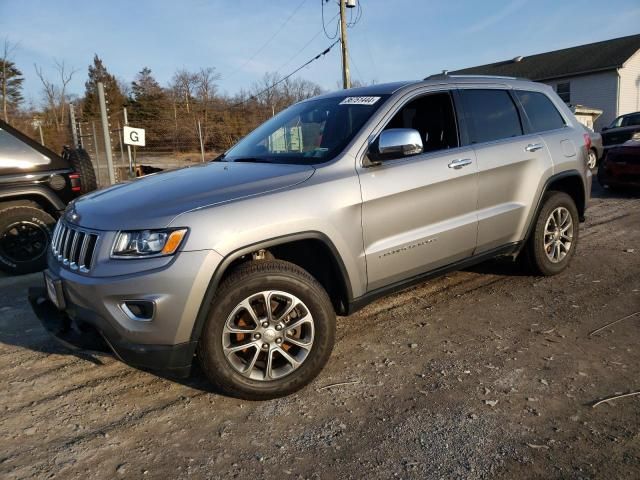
(244, 262)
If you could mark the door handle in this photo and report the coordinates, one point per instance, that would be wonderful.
(459, 163)
(533, 147)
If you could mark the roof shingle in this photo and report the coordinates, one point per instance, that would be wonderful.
(593, 57)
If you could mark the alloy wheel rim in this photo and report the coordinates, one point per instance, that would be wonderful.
(24, 241)
(268, 335)
(558, 234)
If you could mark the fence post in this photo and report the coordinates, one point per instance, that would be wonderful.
(121, 144)
(126, 123)
(106, 133)
(95, 150)
(41, 136)
(74, 126)
(201, 142)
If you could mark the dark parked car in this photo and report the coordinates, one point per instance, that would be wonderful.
(621, 130)
(620, 168)
(36, 184)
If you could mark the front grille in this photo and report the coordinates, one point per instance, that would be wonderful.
(73, 247)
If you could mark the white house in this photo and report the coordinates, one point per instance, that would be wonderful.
(602, 75)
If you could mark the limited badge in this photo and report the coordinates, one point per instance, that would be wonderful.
(359, 101)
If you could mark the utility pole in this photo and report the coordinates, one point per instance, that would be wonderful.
(346, 77)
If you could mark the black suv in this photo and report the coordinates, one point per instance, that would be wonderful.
(35, 186)
(621, 130)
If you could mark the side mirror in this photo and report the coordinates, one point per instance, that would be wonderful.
(395, 143)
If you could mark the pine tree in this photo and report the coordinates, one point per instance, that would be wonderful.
(98, 73)
(148, 106)
(147, 97)
(11, 80)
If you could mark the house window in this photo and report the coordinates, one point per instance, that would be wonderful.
(564, 91)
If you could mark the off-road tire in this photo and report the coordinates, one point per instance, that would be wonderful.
(40, 225)
(534, 255)
(81, 163)
(246, 280)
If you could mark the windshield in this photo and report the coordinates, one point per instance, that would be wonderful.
(307, 133)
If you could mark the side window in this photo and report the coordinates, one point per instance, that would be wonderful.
(433, 116)
(542, 114)
(491, 114)
(630, 120)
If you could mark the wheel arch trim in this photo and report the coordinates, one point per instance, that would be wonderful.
(22, 192)
(545, 189)
(265, 244)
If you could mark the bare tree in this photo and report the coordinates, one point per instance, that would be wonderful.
(56, 93)
(183, 85)
(205, 90)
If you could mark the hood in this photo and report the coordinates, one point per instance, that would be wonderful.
(153, 201)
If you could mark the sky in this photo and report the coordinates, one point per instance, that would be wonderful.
(243, 39)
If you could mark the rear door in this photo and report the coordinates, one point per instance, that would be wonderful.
(509, 163)
(419, 212)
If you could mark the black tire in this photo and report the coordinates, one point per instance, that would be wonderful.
(81, 162)
(601, 175)
(250, 279)
(534, 253)
(25, 234)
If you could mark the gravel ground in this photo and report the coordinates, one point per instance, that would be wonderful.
(484, 373)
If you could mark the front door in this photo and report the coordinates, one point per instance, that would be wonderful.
(419, 212)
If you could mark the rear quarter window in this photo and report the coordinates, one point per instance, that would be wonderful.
(491, 114)
(542, 113)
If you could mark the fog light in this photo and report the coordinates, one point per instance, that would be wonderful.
(141, 310)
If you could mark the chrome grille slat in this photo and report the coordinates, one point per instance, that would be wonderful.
(73, 259)
(66, 252)
(54, 239)
(83, 251)
(74, 247)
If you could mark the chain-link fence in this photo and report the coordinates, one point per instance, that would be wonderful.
(167, 146)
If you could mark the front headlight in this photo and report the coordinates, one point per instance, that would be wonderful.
(147, 243)
(635, 136)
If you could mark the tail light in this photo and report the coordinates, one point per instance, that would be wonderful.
(75, 182)
(587, 141)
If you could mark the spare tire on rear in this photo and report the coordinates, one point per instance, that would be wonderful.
(81, 162)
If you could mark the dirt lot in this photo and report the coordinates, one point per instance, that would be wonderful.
(484, 373)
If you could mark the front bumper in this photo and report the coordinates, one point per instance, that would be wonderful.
(93, 316)
(94, 333)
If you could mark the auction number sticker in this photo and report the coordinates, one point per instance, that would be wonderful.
(359, 101)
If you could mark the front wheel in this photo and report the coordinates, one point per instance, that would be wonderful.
(553, 241)
(269, 332)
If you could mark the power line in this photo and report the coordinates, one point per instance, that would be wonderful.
(265, 44)
(304, 46)
(256, 95)
(324, 26)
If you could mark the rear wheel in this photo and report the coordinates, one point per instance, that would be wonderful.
(592, 159)
(555, 235)
(25, 233)
(269, 332)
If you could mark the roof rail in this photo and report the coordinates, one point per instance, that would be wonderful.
(444, 75)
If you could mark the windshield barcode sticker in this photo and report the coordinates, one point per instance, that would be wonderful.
(359, 101)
